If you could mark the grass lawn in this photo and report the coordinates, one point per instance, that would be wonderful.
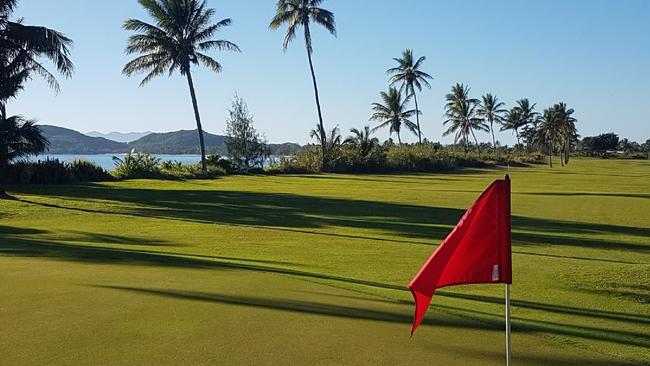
(311, 270)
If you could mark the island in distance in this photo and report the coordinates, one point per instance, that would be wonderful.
(67, 141)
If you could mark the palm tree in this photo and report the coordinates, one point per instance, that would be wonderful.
(333, 141)
(410, 77)
(513, 121)
(393, 113)
(491, 110)
(361, 140)
(527, 112)
(461, 112)
(548, 131)
(19, 138)
(567, 128)
(21, 49)
(183, 31)
(300, 13)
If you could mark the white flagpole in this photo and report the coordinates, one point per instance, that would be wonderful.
(508, 354)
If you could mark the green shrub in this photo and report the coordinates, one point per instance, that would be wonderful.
(219, 162)
(427, 157)
(419, 158)
(137, 166)
(305, 161)
(351, 159)
(53, 171)
(177, 170)
(86, 171)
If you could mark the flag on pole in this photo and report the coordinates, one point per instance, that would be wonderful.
(476, 251)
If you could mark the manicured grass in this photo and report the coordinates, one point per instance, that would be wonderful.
(312, 270)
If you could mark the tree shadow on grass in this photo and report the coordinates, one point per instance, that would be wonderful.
(402, 223)
(299, 306)
(482, 320)
(36, 247)
(16, 242)
(19, 244)
(588, 194)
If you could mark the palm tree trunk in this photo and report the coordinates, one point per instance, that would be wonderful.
(199, 128)
(399, 139)
(517, 134)
(494, 141)
(417, 116)
(323, 139)
(3, 116)
(550, 154)
(476, 140)
(567, 152)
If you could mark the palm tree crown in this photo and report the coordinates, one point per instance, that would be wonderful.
(410, 77)
(461, 112)
(362, 140)
(566, 125)
(393, 113)
(527, 111)
(182, 33)
(547, 131)
(301, 13)
(491, 110)
(19, 138)
(21, 48)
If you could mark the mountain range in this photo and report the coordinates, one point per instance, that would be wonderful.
(66, 141)
(119, 136)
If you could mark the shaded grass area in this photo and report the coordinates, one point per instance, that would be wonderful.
(581, 260)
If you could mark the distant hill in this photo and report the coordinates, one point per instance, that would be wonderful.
(288, 148)
(187, 142)
(119, 136)
(179, 142)
(67, 141)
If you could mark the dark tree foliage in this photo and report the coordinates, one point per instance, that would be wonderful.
(599, 145)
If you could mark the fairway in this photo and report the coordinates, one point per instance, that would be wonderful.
(312, 270)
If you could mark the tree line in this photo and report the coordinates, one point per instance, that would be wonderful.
(181, 33)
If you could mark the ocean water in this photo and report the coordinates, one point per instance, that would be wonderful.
(106, 161)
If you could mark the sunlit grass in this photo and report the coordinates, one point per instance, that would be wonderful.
(312, 270)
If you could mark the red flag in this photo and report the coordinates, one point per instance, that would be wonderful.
(476, 251)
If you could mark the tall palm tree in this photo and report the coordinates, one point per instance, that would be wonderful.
(410, 77)
(301, 13)
(491, 110)
(548, 131)
(21, 49)
(462, 117)
(182, 33)
(393, 113)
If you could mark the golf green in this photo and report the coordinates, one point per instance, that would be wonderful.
(311, 270)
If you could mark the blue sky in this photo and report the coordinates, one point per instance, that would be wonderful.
(592, 54)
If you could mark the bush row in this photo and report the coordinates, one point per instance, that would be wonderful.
(53, 171)
(394, 158)
(342, 159)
